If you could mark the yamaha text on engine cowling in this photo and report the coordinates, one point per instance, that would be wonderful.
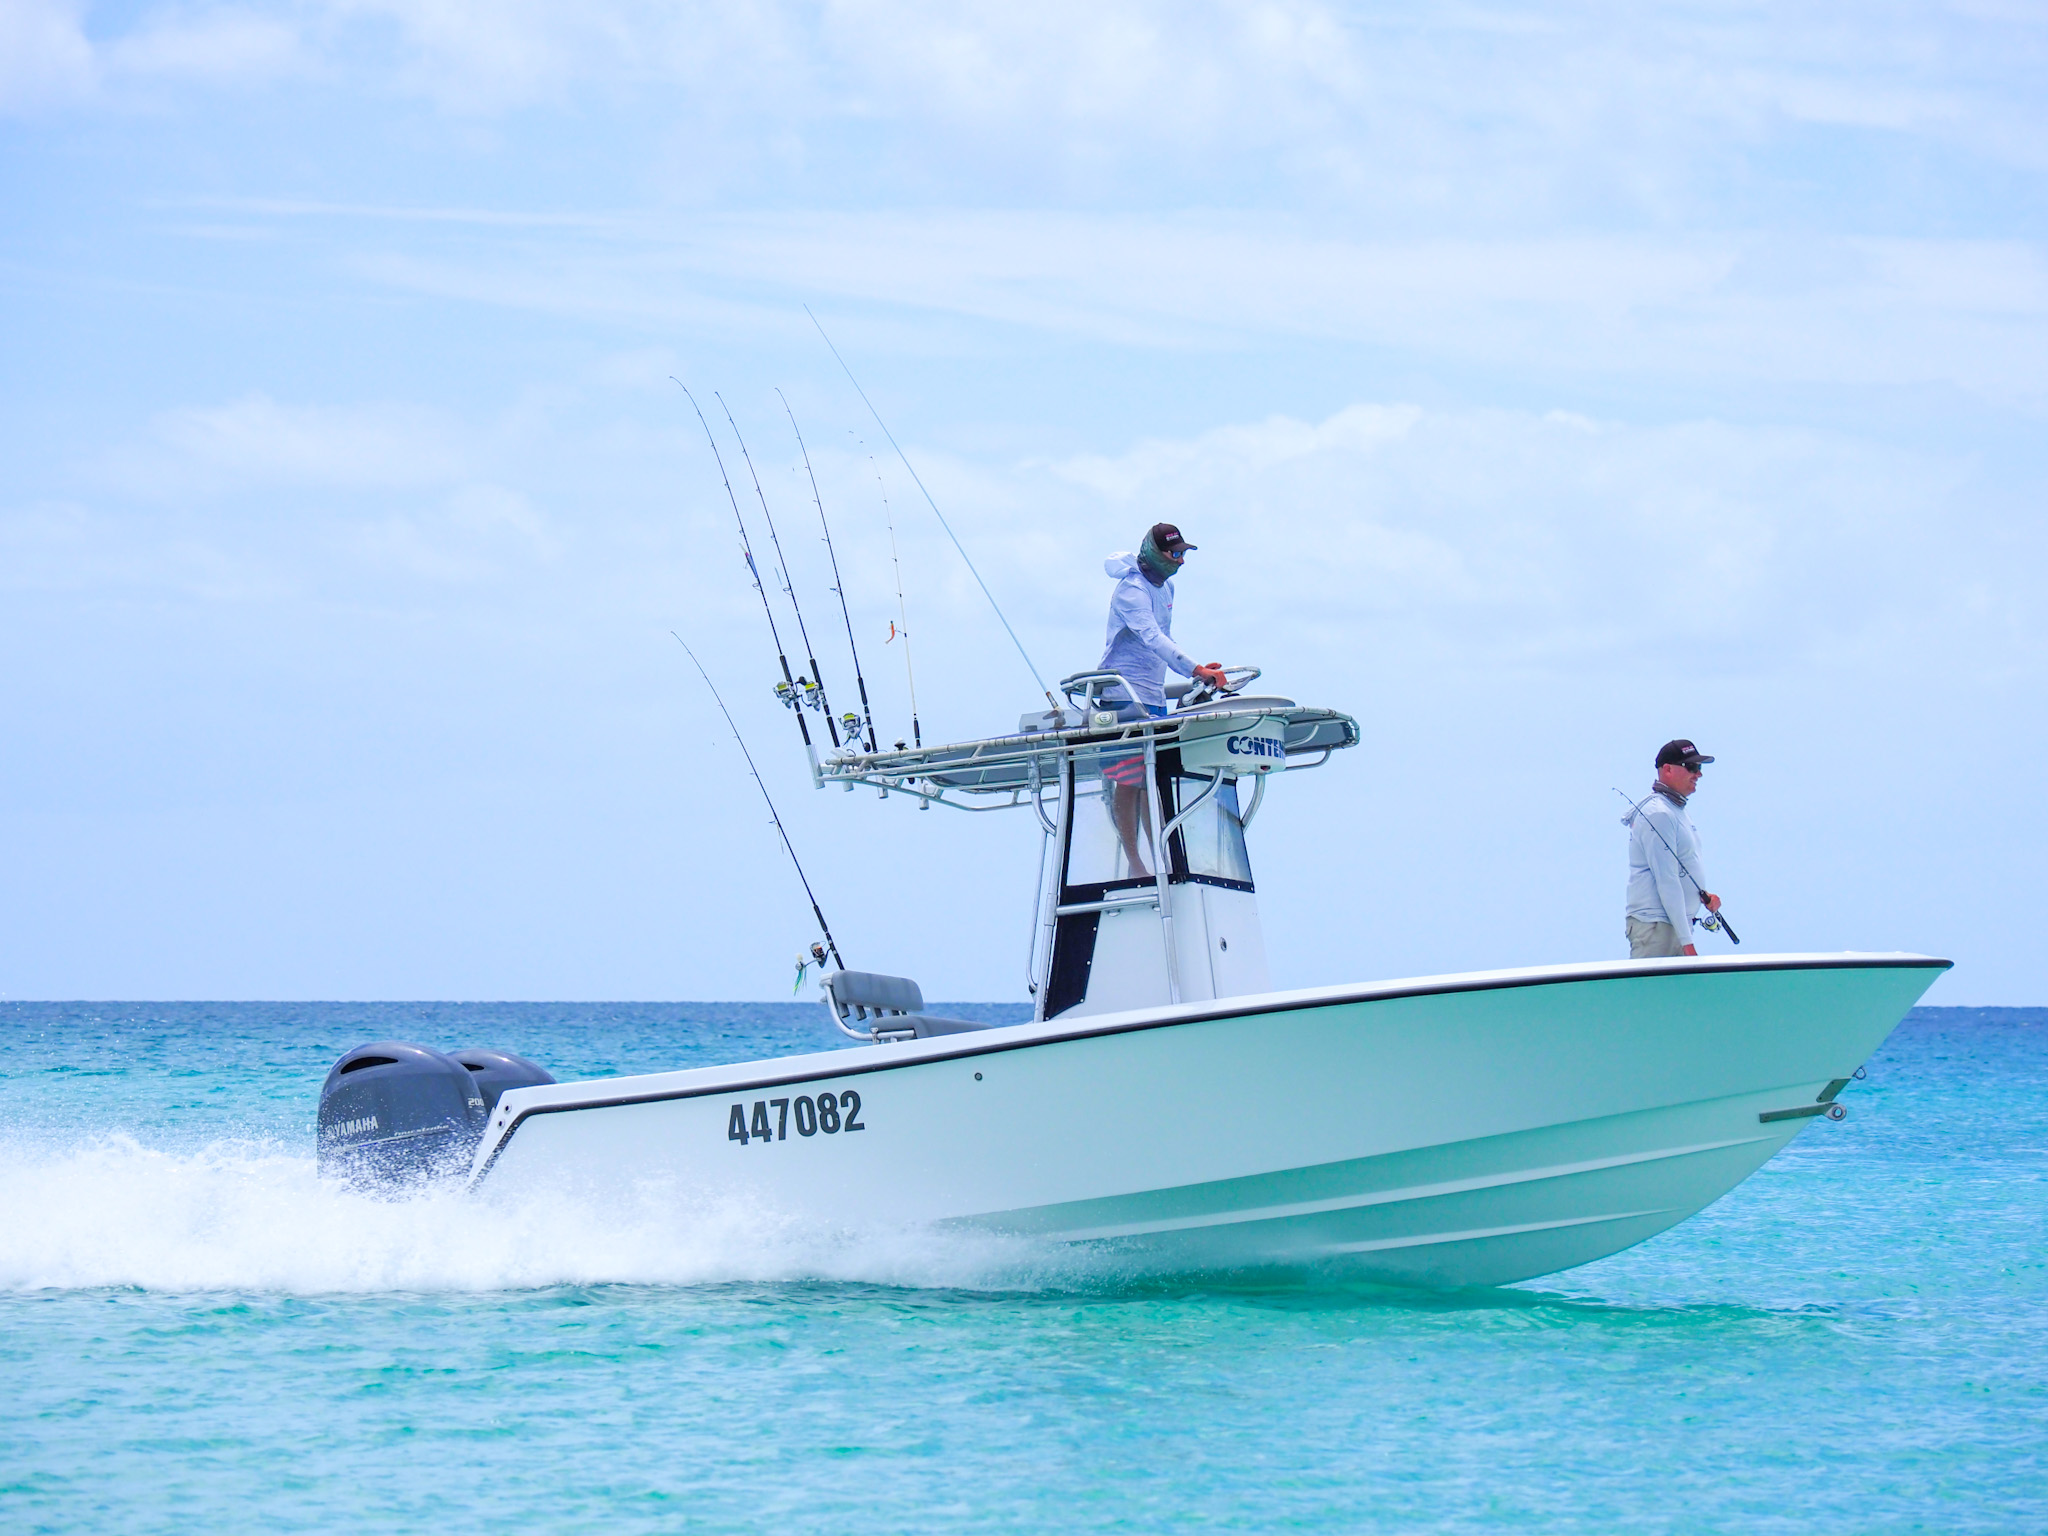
(397, 1114)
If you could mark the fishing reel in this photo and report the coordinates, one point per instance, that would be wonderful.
(815, 960)
(1714, 922)
(801, 694)
(852, 724)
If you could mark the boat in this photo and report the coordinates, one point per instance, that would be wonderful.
(1166, 1107)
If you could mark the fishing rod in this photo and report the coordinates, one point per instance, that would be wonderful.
(971, 569)
(786, 689)
(1713, 919)
(888, 516)
(867, 713)
(813, 687)
(816, 911)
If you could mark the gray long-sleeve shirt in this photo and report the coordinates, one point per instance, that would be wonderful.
(1140, 640)
(1659, 889)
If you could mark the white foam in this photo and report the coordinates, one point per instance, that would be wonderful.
(242, 1216)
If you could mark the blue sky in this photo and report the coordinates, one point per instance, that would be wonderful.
(1540, 382)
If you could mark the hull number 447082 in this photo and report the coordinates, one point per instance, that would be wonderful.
(770, 1120)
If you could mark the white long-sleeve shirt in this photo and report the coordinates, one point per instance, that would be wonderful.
(1140, 640)
(1659, 890)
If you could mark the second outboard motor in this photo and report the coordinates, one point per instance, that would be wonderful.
(392, 1113)
(495, 1071)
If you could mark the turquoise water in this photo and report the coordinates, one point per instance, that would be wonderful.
(196, 1335)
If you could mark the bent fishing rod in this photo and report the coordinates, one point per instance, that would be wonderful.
(785, 690)
(1713, 919)
(816, 911)
(867, 713)
(972, 570)
(813, 688)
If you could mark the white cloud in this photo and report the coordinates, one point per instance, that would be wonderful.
(1462, 111)
(487, 56)
(1475, 538)
(217, 45)
(1465, 117)
(1520, 539)
(1336, 91)
(477, 535)
(45, 59)
(1169, 73)
(256, 501)
(48, 59)
(86, 552)
(1244, 451)
(640, 368)
(256, 440)
(1972, 314)
(395, 489)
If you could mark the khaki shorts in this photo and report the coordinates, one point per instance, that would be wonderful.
(1652, 941)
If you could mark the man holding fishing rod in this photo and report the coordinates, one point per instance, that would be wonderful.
(1139, 647)
(1664, 872)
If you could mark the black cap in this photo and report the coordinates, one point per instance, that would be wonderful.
(1168, 538)
(1682, 752)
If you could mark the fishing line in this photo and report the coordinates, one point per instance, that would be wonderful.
(916, 736)
(813, 687)
(1713, 918)
(972, 571)
(786, 689)
(817, 912)
(867, 712)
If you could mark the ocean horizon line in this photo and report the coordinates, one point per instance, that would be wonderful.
(1988, 1013)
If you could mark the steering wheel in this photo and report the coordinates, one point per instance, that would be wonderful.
(1234, 680)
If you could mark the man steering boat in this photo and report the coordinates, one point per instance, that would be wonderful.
(1139, 647)
(1139, 644)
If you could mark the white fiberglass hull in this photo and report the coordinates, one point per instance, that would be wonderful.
(1459, 1130)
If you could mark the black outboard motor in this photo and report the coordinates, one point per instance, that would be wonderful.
(392, 1113)
(495, 1071)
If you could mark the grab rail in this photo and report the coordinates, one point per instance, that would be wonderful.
(1107, 904)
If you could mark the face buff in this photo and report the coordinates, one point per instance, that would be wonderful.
(1152, 560)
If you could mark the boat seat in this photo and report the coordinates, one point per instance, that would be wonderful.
(886, 1008)
(922, 1026)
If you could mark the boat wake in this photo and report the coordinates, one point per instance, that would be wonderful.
(251, 1216)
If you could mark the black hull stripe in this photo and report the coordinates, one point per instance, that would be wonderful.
(1221, 1010)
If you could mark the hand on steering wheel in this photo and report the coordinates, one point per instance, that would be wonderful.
(1212, 674)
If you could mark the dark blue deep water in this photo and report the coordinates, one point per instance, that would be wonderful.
(197, 1336)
